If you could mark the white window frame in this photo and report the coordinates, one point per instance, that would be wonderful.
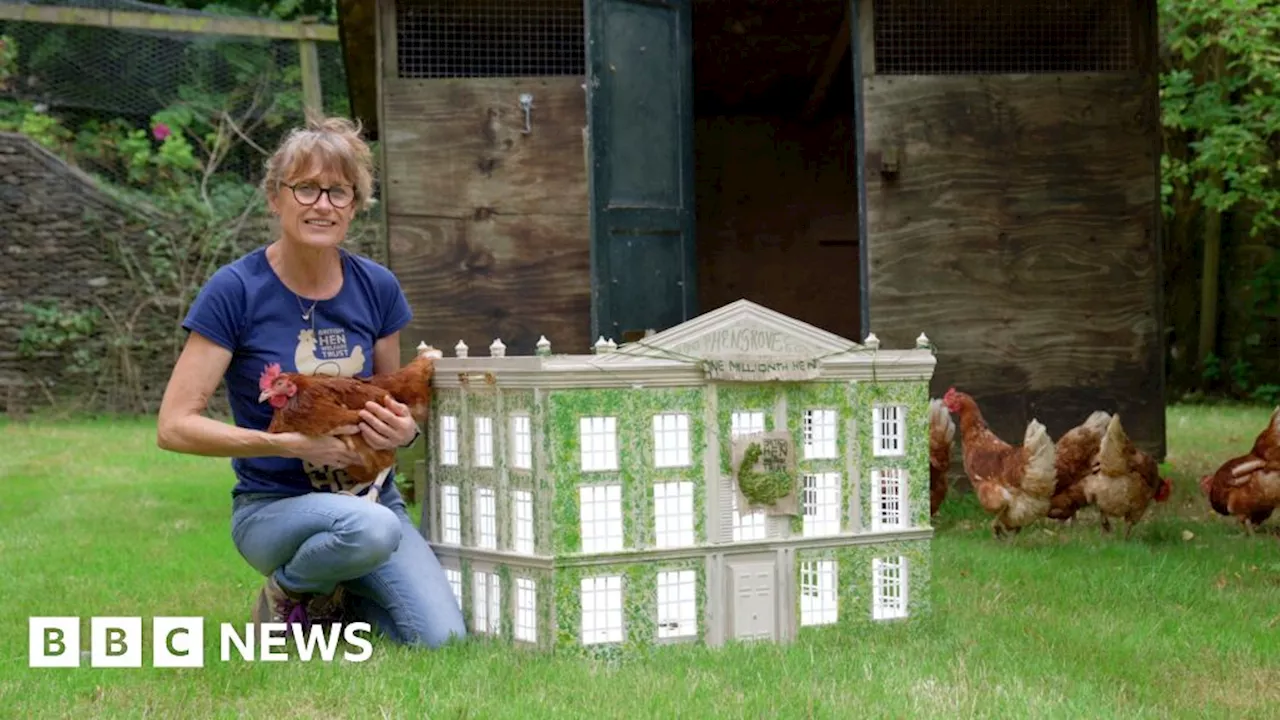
(450, 515)
(448, 439)
(821, 430)
(819, 601)
(888, 425)
(521, 442)
(821, 503)
(454, 576)
(522, 521)
(601, 602)
(486, 599)
(483, 441)
(673, 524)
(671, 440)
(600, 515)
(677, 604)
(598, 442)
(486, 514)
(526, 629)
(751, 525)
(889, 588)
(889, 511)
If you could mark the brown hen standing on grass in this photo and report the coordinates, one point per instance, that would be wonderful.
(1123, 480)
(1075, 453)
(1248, 487)
(1012, 483)
(942, 433)
(318, 405)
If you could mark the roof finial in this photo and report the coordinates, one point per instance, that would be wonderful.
(460, 349)
(497, 349)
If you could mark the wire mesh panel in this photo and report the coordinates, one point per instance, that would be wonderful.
(967, 37)
(490, 38)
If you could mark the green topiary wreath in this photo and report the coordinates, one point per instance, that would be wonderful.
(762, 487)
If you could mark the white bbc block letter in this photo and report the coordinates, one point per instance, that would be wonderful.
(115, 642)
(177, 642)
(53, 642)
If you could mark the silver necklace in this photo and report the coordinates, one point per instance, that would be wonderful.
(306, 313)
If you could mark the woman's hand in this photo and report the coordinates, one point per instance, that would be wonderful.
(387, 427)
(322, 450)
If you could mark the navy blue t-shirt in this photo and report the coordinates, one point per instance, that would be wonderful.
(245, 308)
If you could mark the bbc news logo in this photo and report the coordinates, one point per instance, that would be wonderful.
(178, 642)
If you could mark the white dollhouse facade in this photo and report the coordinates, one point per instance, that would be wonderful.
(593, 500)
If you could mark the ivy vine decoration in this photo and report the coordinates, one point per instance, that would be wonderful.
(767, 484)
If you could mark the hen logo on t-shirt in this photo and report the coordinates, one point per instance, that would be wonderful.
(325, 351)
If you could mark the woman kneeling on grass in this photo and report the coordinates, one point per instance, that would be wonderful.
(312, 307)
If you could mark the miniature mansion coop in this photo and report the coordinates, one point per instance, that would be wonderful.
(743, 475)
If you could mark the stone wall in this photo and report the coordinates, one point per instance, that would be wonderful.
(51, 235)
(58, 235)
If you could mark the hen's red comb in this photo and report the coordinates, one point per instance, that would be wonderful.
(268, 376)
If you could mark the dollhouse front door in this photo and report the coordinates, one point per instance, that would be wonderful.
(753, 601)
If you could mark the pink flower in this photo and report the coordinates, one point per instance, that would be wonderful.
(160, 131)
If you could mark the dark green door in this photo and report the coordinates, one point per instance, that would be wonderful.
(640, 113)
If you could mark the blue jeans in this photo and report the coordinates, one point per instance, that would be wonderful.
(315, 541)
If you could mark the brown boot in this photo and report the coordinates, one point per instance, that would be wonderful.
(327, 609)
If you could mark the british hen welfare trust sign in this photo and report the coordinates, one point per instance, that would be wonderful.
(178, 642)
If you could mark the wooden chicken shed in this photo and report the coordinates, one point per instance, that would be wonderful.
(985, 171)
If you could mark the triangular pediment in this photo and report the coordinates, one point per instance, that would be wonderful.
(741, 328)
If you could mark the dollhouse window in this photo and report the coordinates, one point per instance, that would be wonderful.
(751, 525)
(671, 440)
(487, 603)
(601, 609)
(888, 499)
(526, 610)
(521, 442)
(747, 422)
(448, 440)
(601, 517)
(673, 514)
(888, 432)
(486, 519)
(677, 608)
(455, 583)
(889, 588)
(484, 442)
(821, 504)
(452, 511)
(599, 443)
(818, 605)
(819, 434)
(522, 509)
(747, 527)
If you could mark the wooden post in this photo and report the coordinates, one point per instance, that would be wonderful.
(309, 64)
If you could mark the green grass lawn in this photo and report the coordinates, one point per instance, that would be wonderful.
(1060, 622)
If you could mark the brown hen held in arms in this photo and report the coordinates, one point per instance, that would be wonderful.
(318, 405)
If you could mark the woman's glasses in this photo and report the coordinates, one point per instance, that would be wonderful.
(308, 193)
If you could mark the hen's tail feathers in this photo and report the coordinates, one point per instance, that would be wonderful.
(941, 425)
(1111, 454)
(1039, 477)
(1096, 424)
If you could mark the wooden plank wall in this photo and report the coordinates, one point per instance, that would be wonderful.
(488, 226)
(1021, 235)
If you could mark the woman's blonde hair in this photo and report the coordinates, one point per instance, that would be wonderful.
(332, 143)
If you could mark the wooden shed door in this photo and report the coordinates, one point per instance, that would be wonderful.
(639, 97)
(1011, 179)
